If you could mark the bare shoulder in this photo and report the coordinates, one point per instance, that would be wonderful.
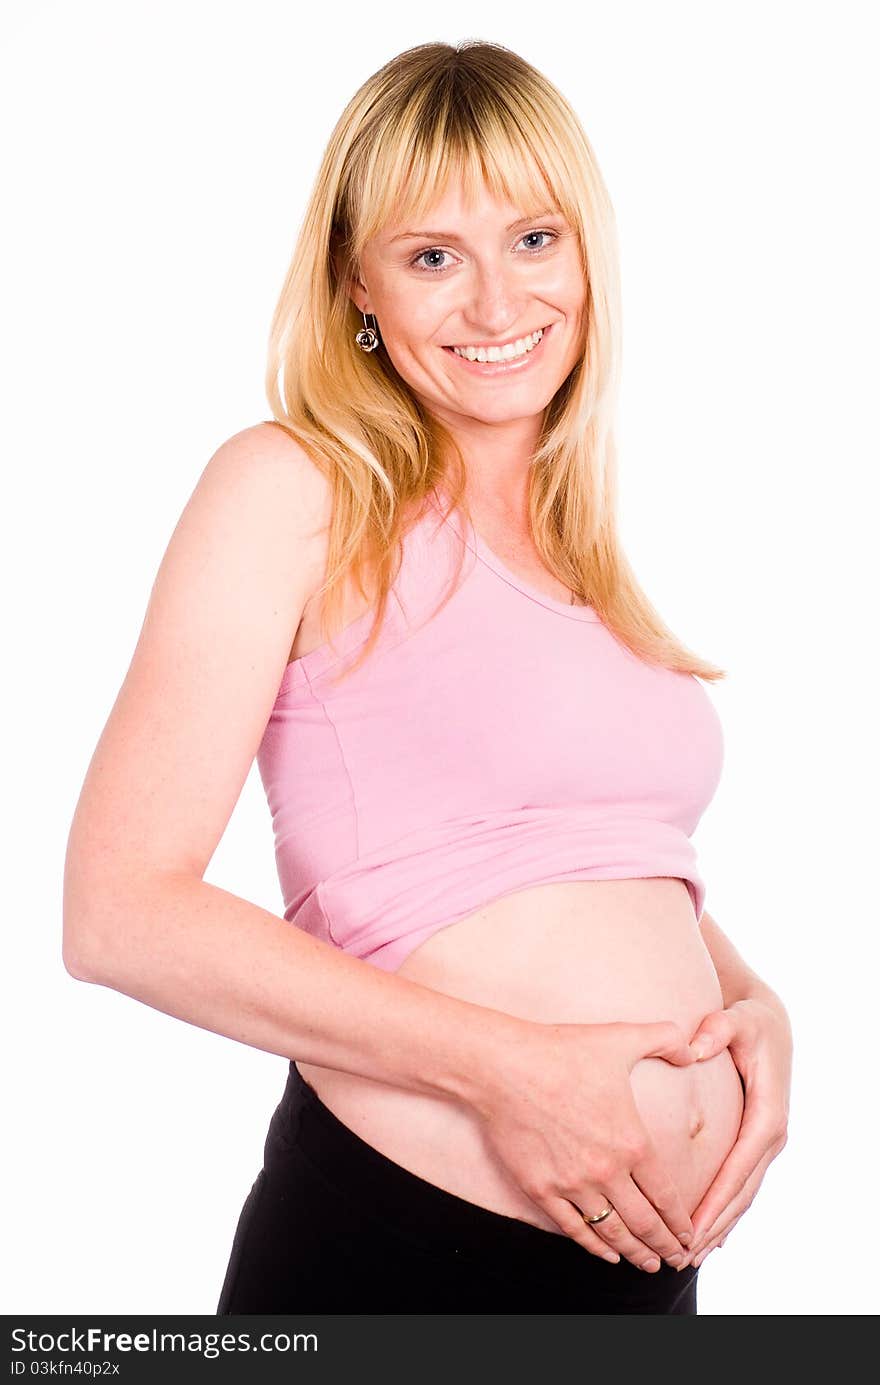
(270, 442)
(279, 501)
(266, 457)
(243, 558)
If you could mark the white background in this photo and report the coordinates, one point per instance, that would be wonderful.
(157, 161)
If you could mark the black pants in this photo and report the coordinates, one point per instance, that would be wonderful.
(333, 1226)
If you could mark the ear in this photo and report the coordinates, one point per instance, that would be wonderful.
(354, 287)
(359, 296)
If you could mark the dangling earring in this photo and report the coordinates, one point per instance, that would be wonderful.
(367, 339)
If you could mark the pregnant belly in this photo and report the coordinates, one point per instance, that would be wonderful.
(580, 952)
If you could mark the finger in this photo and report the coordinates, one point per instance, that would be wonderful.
(731, 1215)
(710, 1227)
(642, 1222)
(722, 1224)
(665, 1039)
(618, 1237)
(715, 1032)
(716, 1244)
(734, 1210)
(725, 1225)
(651, 1177)
(569, 1220)
(748, 1152)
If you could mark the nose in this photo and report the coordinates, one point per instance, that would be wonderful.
(497, 303)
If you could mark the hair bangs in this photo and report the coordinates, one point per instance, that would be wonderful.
(478, 147)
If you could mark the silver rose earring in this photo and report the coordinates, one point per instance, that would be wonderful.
(367, 338)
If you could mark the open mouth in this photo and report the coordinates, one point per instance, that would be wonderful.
(495, 359)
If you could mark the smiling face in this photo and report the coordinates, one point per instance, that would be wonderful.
(473, 277)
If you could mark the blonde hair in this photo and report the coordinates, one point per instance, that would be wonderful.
(479, 113)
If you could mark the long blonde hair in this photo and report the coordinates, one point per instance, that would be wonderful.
(477, 112)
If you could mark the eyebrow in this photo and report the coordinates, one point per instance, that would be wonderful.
(450, 235)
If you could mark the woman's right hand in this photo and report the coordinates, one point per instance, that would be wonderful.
(562, 1118)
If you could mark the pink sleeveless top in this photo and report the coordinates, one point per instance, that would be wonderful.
(509, 740)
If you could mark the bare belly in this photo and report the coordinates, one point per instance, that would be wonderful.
(587, 952)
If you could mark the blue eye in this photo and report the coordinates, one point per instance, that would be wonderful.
(430, 268)
(539, 233)
(440, 269)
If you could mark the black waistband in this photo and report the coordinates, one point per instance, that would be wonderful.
(432, 1217)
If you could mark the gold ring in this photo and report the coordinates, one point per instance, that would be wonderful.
(591, 1221)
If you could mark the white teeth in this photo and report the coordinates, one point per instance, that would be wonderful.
(521, 347)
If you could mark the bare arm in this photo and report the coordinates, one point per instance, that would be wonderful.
(248, 551)
(738, 981)
(208, 957)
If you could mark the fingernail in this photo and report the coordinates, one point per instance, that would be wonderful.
(612, 1258)
(699, 1049)
(651, 1265)
(675, 1261)
(685, 1238)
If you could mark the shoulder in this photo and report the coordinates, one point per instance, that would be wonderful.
(267, 460)
(268, 501)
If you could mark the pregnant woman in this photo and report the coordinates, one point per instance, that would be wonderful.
(527, 1071)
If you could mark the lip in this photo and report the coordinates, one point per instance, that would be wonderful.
(501, 367)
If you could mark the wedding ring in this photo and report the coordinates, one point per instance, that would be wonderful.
(592, 1221)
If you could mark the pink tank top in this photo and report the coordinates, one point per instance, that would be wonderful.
(509, 740)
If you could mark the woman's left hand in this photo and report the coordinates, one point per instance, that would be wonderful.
(758, 1034)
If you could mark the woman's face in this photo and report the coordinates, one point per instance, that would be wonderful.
(483, 277)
